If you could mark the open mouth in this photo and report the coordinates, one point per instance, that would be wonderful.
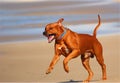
(51, 37)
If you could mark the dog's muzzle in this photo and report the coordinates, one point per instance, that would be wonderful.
(50, 37)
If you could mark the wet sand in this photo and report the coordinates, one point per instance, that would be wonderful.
(28, 62)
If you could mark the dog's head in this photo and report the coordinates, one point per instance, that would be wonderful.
(54, 30)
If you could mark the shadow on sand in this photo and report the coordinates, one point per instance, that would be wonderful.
(75, 81)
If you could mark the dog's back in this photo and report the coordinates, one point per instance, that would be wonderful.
(86, 42)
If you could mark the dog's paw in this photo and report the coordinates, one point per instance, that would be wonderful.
(48, 71)
(104, 78)
(86, 81)
(67, 69)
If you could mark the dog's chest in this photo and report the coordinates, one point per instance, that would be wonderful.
(63, 50)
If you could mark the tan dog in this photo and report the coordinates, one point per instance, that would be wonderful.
(71, 45)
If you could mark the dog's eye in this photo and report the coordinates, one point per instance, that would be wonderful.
(50, 28)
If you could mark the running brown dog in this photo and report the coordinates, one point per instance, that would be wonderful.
(71, 44)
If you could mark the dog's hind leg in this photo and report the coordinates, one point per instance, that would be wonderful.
(103, 66)
(85, 62)
(99, 56)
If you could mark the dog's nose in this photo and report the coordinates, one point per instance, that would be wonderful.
(44, 33)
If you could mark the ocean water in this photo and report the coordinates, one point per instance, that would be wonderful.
(26, 21)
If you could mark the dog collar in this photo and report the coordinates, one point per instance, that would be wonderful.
(62, 35)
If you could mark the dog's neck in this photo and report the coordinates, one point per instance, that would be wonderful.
(62, 35)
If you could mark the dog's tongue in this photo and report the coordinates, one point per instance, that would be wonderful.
(50, 38)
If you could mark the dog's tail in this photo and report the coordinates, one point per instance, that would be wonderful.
(99, 22)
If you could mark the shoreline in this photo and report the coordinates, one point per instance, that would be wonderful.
(45, 39)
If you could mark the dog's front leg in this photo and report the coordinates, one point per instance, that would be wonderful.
(53, 62)
(73, 54)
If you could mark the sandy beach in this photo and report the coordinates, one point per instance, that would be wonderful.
(28, 61)
(25, 54)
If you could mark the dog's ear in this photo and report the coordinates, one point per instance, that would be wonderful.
(60, 21)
